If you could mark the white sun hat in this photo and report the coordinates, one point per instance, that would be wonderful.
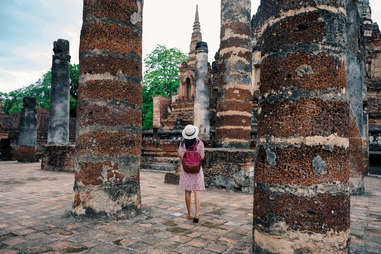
(190, 132)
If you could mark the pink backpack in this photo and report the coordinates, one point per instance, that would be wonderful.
(192, 160)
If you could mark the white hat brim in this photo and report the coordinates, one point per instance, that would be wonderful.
(195, 134)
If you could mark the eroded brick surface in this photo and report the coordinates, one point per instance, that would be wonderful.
(294, 166)
(108, 146)
(325, 72)
(58, 158)
(231, 169)
(235, 55)
(302, 214)
(304, 117)
(301, 188)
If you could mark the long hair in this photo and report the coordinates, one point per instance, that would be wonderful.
(188, 143)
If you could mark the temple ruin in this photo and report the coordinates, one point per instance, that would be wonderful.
(27, 138)
(290, 110)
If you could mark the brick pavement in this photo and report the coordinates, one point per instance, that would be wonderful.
(34, 206)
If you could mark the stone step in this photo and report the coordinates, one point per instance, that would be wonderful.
(159, 166)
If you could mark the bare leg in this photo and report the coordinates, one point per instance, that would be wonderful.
(197, 203)
(188, 203)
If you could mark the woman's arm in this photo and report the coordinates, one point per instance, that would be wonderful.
(200, 149)
(181, 152)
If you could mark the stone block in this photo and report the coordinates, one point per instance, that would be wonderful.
(230, 169)
(58, 158)
(172, 178)
(26, 154)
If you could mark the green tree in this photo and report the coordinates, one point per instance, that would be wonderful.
(160, 78)
(74, 77)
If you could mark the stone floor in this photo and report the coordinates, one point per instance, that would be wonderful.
(33, 204)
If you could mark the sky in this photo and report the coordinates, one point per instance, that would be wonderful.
(28, 29)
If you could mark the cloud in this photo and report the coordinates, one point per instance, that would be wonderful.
(29, 29)
(11, 80)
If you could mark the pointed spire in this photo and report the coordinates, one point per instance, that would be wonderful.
(196, 25)
(196, 37)
(196, 17)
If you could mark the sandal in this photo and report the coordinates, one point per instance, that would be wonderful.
(189, 217)
(195, 220)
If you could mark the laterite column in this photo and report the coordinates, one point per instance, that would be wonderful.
(201, 100)
(301, 197)
(58, 133)
(109, 110)
(58, 154)
(27, 139)
(234, 109)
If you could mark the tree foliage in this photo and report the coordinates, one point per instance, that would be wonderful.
(13, 101)
(160, 78)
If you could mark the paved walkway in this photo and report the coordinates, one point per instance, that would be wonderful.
(33, 204)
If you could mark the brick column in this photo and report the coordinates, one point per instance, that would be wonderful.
(57, 154)
(234, 109)
(301, 197)
(201, 100)
(109, 110)
(58, 133)
(27, 139)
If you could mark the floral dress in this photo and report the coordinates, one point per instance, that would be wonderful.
(192, 182)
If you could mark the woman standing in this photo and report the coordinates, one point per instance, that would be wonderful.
(192, 182)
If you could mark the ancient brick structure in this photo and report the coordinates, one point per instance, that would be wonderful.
(189, 108)
(9, 135)
(58, 155)
(160, 110)
(160, 155)
(372, 102)
(58, 158)
(229, 163)
(234, 107)
(202, 98)
(27, 138)
(10, 129)
(301, 197)
(60, 95)
(230, 169)
(181, 106)
(108, 146)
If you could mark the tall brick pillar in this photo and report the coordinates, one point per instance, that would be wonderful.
(234, 110)
(301, 197)
(201, 100)
(57, 155)
(109, 110)
(60, 95)
(27, 139)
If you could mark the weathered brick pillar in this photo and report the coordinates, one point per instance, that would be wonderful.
(301, 197)
(201, 100)
(58, 133)
(109, 110)
(234, 109)
(356, 75)
(27, 139)
(58, 155)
